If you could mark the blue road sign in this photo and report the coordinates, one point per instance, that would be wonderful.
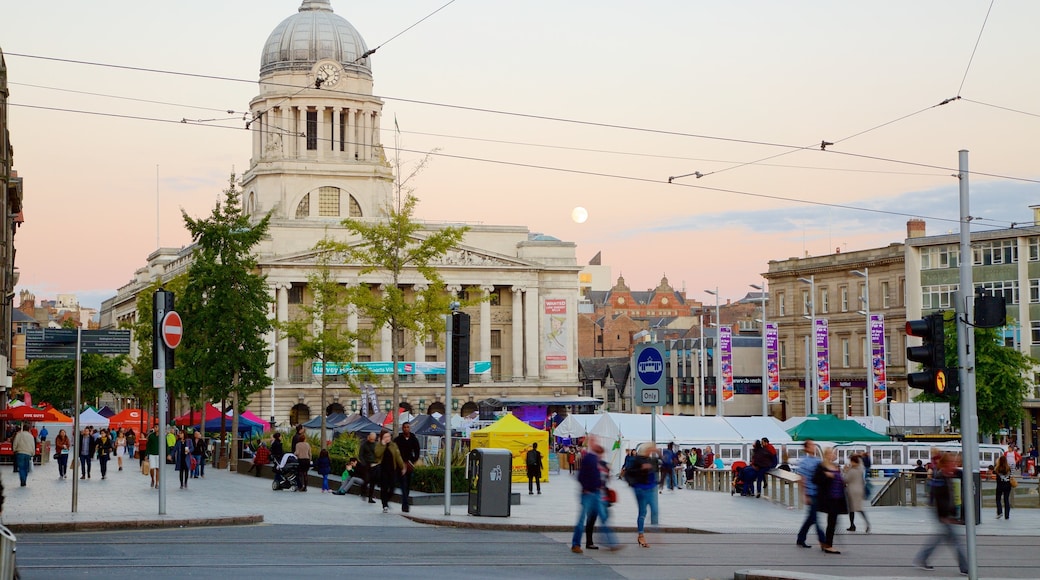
(650, 379)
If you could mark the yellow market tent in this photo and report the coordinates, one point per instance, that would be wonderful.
(516, 436)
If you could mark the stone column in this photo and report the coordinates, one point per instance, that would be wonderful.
(351, 134)
(337, 135)
(531, 337)
(485, 329)
(420, 344)
(320, 132)
(365, 125)
(375, 129)
(283, 339)
(258, 128)
(518, 333)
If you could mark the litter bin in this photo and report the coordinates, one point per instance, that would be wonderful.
(7, 551)
(490, 481)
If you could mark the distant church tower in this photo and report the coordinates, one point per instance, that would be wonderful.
(317, 156)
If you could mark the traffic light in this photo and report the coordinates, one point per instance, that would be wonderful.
(459, 348)
(934, 378)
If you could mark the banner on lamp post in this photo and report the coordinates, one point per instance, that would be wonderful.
(726, 362)
(772, 362)
(877, 348)
(823, 362)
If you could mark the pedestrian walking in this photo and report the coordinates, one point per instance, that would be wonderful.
(390, 465)
(198, 452)
(24, 448)
(323, 465)
(408, 445)
(534, 469)
(942, 498)
(303, 455)
(61, 453)
(368, 464)
(591, 480)
(87, 448)
(131, 445)
(855, 491)
(805, 469)
(120, 448)
(182, 449)
(1002, 471)
(667, 468)
(641, 475)
(105, 448)
(152, 450)
(830, 491)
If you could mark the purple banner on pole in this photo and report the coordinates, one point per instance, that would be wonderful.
(877, 348)
(726, 362)
(823, 361)
(772, 362)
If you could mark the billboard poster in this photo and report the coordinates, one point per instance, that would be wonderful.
(823, 362)
(877, 348)
(556, 339)
(726, 362)
(772, 362)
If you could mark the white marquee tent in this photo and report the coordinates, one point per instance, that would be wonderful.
(91, 418)
(576, 425)
(618, 432)
(752, 428)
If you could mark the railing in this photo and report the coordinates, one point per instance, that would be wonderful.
(910, 488)
(7, 553)
(782, 486)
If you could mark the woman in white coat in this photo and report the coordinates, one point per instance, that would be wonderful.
(855, 491)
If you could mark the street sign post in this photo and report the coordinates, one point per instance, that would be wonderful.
(650, 381)
(172, 329)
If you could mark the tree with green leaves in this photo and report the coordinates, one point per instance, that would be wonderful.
(143, 387)
(390, 249)
(1001, 379)
(224, 308)
(320, 333)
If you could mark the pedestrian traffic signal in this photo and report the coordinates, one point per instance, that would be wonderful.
(931, 354)
(459, 348)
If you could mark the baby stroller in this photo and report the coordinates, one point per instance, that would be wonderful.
(737, 470)
(285, 477)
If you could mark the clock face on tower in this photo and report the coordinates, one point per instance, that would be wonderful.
(328, 74)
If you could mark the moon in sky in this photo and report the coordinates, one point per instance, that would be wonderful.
(579, 215)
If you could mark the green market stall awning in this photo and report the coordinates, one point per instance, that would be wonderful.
(834, 430)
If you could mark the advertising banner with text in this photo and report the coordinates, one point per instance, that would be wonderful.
(772, 362)
(877, 348)
(726, 362)
(823, 362)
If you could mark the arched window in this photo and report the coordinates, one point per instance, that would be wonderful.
(355, 208)
(335, 408)
(468, 409)
(437, 407)
(251, 203)
(304, 209)
(299, 413)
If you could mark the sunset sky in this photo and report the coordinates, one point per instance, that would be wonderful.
(537, 107)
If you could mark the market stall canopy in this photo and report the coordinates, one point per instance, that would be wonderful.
(834, 430)
(195, 416)
(106, 411)
(536, 400)
(333, 420)
(91, 418)
(359, 424)
(427, 426)
(56, 416)
(516, 436)
(129, 419)
(254, 418)
(23, 413)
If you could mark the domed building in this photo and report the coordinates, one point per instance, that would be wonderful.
(316, 159)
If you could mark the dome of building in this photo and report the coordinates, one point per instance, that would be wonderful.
(312, 34)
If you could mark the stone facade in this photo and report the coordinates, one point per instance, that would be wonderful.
(11, 214)
(839, 299)
(316, 159)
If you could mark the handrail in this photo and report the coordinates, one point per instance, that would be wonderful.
(782, 487)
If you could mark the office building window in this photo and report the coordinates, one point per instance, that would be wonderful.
(824, 301)
(805, 302)
(1007, 289)
(1035, 330)
(1034, 248)
(783, 354)
(885, 298)
(845, 353)
(844, 298)
(940, 257)
(781, 304)
(496, 338)
(995, 252)
(938, 296)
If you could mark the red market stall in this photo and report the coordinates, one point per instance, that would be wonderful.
(130, 419)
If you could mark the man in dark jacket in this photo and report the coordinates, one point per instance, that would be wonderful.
(534, 469)
(367, 464)
(942, 499)
(408, 445)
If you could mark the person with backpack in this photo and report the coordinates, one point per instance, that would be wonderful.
(534, 469)
(667, 468)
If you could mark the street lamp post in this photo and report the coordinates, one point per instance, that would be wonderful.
(765, 369)
(701, 363)
(810, 369)
(868, 343)
(718, 363)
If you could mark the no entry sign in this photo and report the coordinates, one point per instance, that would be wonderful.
(172, 329)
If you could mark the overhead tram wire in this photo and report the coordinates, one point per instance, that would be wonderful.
(977, 41)
(1009, 109)
(630, 178)
(534, 116)
(150, 101)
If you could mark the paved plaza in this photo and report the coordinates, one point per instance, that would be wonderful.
(124, 501)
